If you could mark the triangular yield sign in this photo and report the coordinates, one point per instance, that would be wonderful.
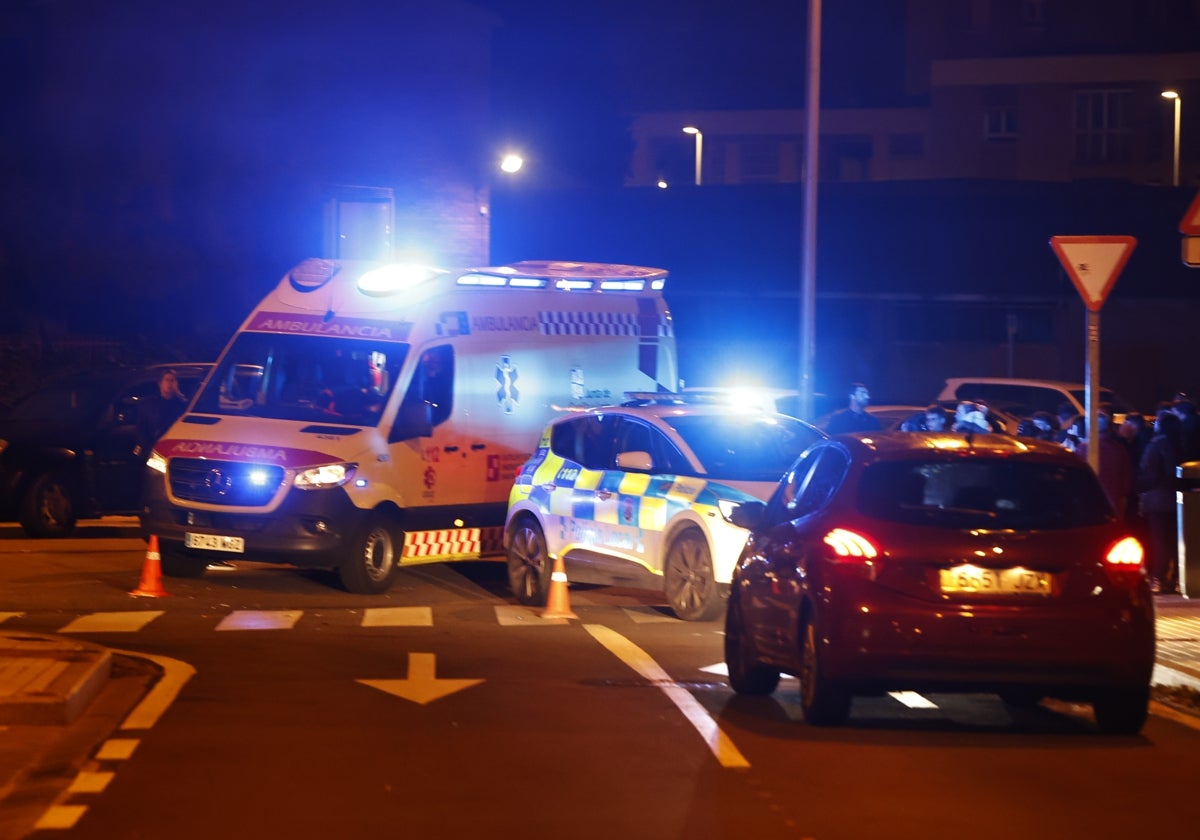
(1093, 263)
(1189, 225)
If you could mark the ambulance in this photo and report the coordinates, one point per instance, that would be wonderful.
(368, 416)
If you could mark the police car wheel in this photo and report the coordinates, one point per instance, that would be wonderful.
(529, 566)
(746, 674)
(47, 509)
(688, 579)
(370, 563)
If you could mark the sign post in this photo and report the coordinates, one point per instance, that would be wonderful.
(1189, 226)
(1093, 264)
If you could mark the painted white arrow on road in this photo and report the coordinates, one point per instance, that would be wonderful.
(422, 685)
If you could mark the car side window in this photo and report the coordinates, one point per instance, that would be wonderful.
(826, 477)
(783, 502)
(589, 441)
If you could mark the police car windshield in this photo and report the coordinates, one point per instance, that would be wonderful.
(305, 378)
(745, 447)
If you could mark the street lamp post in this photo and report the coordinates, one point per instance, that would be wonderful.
(691, 129)
(1178, 100)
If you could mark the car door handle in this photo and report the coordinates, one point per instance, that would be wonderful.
(478, 446)
(450, 449)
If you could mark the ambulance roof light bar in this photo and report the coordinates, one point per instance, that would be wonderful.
(395, 278)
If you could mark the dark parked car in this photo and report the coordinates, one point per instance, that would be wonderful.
(942, 562)
(67, 451)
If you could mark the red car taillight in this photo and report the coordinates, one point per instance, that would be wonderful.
(852, 550)
(1124, 559)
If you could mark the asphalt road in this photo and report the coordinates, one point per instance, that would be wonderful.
(443, 709)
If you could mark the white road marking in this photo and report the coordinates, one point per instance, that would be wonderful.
(727, 754)
(912, 699)
(112, 622)
(649, 615)
(398, 617)
(260, 620)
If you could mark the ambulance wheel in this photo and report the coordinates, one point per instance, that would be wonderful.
(529, 566)
(691, 589)
(46, 508)
(371, 562)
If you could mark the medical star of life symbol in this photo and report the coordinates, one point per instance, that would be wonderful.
(507, 395)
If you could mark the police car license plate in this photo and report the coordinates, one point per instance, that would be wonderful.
(973, 579)
(215, 542)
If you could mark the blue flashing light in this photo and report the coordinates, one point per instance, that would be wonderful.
(391, 279)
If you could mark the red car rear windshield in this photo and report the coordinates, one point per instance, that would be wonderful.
(982, 493)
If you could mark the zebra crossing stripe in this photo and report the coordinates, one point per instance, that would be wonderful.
(398, 617)
(260, 620)
(111, 622)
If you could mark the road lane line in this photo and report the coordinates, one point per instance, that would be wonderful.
(726, 753)
(175, 673)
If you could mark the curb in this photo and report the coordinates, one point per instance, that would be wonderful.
(49, 680)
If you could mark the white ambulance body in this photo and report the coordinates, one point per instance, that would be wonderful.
(366, 417)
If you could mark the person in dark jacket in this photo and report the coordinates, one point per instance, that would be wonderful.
(1155, 485)
(854, 417)
(1189, 426)
(157, 412)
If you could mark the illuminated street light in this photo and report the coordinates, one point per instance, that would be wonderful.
(1174, 94)
(511, 163)
(691, 129)
(662, 183)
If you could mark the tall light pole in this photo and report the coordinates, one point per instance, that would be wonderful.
(808, 268)
(691, 129)
(1174, 94)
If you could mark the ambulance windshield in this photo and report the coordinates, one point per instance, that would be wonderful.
(303, 377)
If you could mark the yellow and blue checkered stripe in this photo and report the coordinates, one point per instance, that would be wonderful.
(634, 500)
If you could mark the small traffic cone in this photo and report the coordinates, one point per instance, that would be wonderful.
(151, 585)
(558, 603)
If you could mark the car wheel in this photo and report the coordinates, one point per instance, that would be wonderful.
(691, 589)
(47, 509)
(371, 562)
(825, 703)
(746, 674)
(181, 563)
(1122, 711)
(529, 566)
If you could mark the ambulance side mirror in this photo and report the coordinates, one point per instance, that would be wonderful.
(413, 420)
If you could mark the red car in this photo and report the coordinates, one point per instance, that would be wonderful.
(944, 563)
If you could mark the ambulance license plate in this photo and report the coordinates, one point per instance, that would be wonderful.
(215, 542)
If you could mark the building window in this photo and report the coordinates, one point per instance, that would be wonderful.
(909, 146)
(1000, 123)
(1102, 133)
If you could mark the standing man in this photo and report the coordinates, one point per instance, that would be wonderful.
(854, 417)
(157, 412)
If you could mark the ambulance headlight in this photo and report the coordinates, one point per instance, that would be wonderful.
(157, 462)
(324, 476)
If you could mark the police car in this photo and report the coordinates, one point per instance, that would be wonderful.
(641, 495)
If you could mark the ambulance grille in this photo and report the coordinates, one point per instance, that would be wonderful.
(224, 482)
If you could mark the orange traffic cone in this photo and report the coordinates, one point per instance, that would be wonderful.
(558, 604)
(151, 584)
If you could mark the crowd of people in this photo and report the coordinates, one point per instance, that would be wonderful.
(1137, 458)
